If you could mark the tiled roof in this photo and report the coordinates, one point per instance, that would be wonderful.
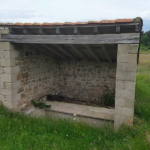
(74, 23)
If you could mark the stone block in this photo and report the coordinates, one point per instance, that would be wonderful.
(128, 48)
(5, 54)
(6, 100)
(125, 94)
(6, 77)
(6, 46)
(124, 58)
(1, 70)
(133, 49)
(6, 62)
(127, 67)
(124, 102)
(124, 110)
(1, 85)
(5, 92)
(10, 53)
(126, 76)
(122, 119)
(125, 85)
(13, 70)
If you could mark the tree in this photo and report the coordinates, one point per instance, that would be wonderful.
(148, 34)
(145, 40)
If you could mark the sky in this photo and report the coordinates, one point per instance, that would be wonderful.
(73, 10)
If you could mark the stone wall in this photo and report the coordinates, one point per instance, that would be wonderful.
(85, 80)
(33, 73)
(27, 73)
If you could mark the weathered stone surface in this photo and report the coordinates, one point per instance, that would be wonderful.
(6, 46)
(1, 70)
(7, 62)
(124, 102)
(124, 110)
(5, 92)
(128, 48)
(127, 67)
(123, 119)
(125, 84)
(125, 58)
(6, 77)
(126, 76)
(125, 94)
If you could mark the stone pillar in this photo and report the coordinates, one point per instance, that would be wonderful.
(125, 84)
(8, 72)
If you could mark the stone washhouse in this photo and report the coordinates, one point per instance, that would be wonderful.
(77, 60)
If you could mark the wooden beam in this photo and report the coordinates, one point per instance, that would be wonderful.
(137, 28)
(76, 30)
(96, 29)
(118, 28)
(11, 30)
(64, 51)
(79, 53)
(25, 31)
(41, 31)
(130, 38)
(58, 31)
(91, 52)
(106, 54)
(53, 51)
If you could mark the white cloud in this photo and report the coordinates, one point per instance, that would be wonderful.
(145, 14)
(71, 10)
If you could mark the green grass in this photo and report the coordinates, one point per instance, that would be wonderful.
(19, 132)
(144, 49)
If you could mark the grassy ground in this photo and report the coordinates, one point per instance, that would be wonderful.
(18, 132)
(144, 49)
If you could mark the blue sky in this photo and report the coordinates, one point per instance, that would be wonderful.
(73, 10)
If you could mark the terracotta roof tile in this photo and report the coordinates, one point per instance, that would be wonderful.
(89, 22)
(27, 24)
(107, 21)
(77, 23)
(73, 23)
(123, 20)
(36, 24)
(70, 23)
(57, 24)
(47, 24)
(18, 24)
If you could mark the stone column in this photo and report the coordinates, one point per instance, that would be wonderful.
(125, 84)
(8, 72)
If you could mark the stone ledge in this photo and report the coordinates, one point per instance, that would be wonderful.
(82, 110)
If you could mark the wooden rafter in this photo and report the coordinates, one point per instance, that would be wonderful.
(53, 51)
(40, 48)
(106, 54)
(64, 51)
(91, 52)
(76, 30)
(79, 53)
